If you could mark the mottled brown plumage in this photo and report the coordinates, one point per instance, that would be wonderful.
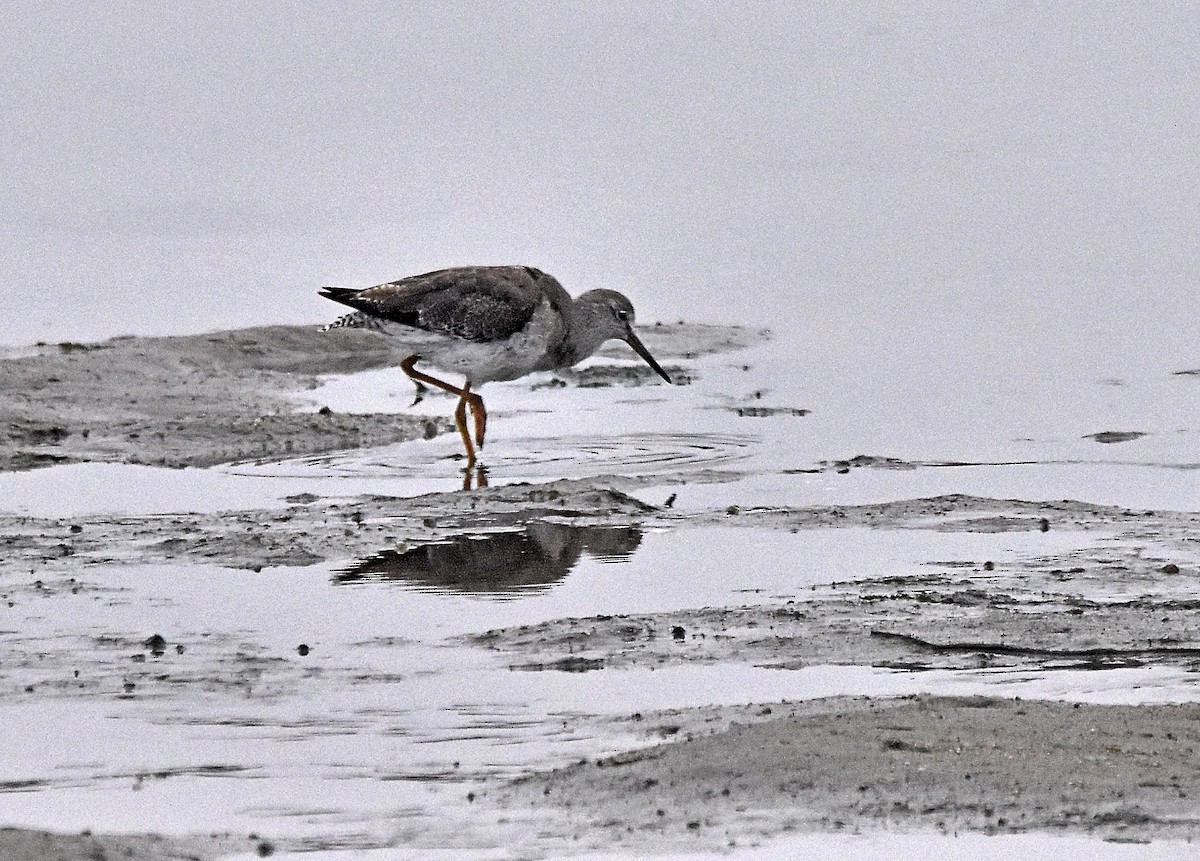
(490, 323)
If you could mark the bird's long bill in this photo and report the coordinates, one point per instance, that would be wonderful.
(639, 348)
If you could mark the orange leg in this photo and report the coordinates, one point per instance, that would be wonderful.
(479, 413)
(466, 397)
(460, 419)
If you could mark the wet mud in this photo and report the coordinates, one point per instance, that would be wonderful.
(1042, 611)
(189, 401)
(922, 625)
(729, 777)
(308, 529)
(1117, 593)
(1124, 599)
(18, 844)
(201, 400)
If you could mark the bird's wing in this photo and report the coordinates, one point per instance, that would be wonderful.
(480, 303)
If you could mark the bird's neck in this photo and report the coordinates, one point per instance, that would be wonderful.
(584, 335)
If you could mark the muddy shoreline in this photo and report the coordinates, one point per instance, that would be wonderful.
(1119, 597)
(202, 400)
(956, 614)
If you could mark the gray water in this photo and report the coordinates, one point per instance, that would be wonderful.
(1008, 179)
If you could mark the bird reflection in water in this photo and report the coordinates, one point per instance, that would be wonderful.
(497, 564)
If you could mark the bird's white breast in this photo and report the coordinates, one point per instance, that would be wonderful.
(507, 359)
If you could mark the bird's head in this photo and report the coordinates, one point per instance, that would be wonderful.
(610, 315)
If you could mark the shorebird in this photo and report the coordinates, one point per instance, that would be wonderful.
(489, 323)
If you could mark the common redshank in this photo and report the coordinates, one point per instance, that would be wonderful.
(489, 323)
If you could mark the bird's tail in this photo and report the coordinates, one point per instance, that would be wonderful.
(339, 294)
(344, 296)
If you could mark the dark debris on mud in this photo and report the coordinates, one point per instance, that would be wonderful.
(1110, 437)
(605, 376)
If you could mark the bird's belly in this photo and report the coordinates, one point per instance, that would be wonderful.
(488, 361)
(483, 362)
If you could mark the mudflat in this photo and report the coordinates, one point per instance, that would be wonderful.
(946, 763)
(315, 619)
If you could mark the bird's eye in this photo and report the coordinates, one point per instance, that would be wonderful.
(622, 315)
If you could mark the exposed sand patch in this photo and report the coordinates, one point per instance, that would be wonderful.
(948, 763)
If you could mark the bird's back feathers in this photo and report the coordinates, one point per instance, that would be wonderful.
(479, 303)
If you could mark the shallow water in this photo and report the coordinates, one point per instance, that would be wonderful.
(735, 423)
(391, 717)
(992, 275)
(953, 433)
(378, 733)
